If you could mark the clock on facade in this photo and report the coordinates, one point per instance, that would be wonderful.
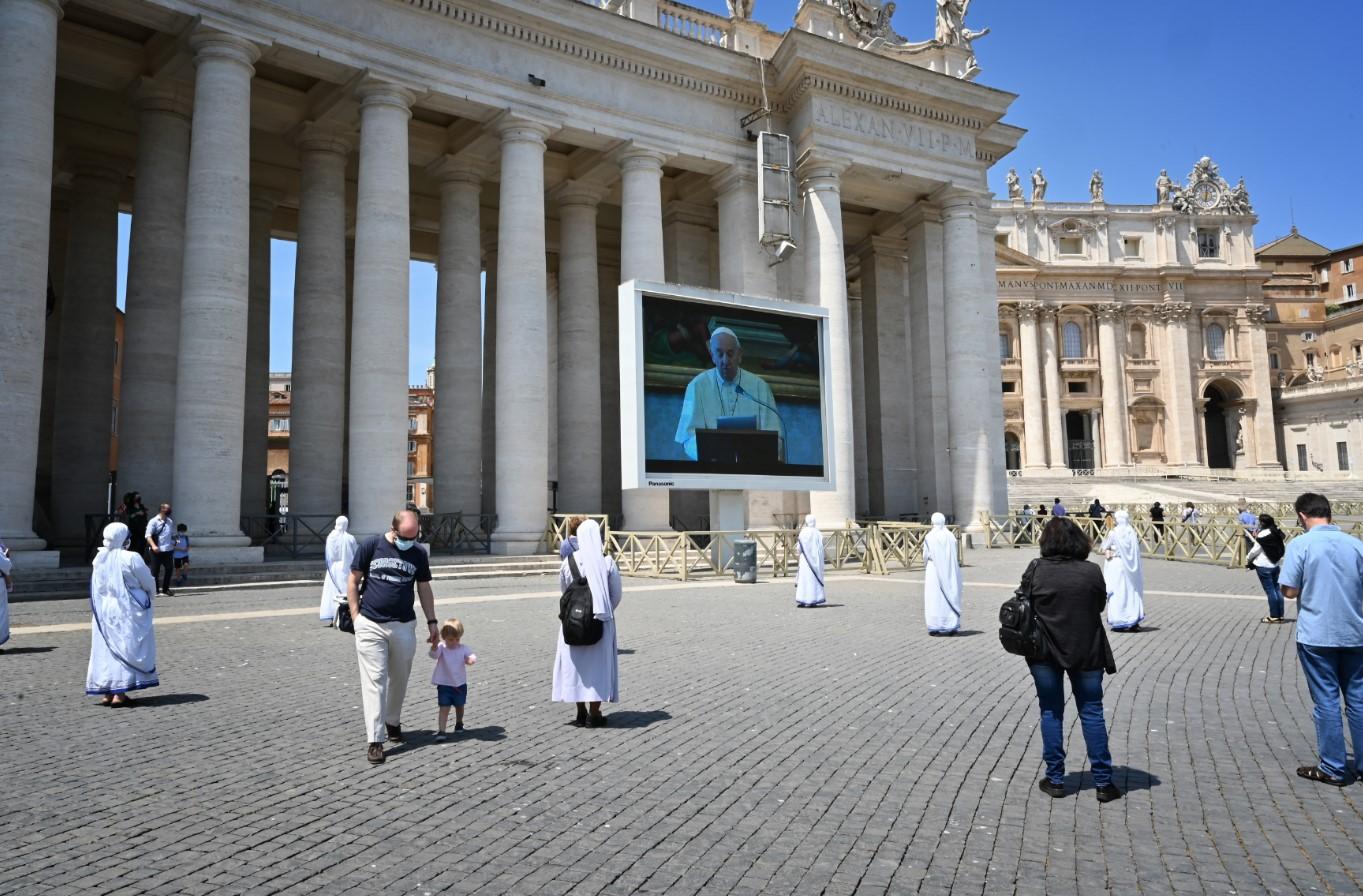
(1206, 195)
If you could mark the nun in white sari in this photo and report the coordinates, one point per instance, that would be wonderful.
(941, 580)
(809, 580)
(1122, 573)
(589, 675)
(6, 567)
(340, 551)
(122, 642)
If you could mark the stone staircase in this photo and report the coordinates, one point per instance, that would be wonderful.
(1077, 494)
(73, 581)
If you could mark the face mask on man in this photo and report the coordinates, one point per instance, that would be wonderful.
(404, 544)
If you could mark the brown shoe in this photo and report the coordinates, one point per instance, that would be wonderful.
(395, 734)
(375, 754)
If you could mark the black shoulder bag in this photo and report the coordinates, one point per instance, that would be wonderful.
(344, 621)
(1019, 631)
(581, 628)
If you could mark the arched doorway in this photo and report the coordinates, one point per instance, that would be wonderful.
(1218, 417)
(1012, 451)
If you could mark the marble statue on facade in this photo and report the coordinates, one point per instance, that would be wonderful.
(1038, 186)
(1164, 186)
(1239, 199)
(1096, 186)
(1014, 184)
(951, 30)
(740, 9)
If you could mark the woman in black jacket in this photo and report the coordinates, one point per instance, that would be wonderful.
(1068, 596)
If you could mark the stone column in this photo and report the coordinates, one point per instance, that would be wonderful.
(85, 381)
(151, 326)
(973, 361)
(1055, 414)
(641, 258)
(210, 381)
(56, 260)
(1033, 412)
(856, 351)
(378, 349)
(317, 412)
(459, 340)
(28, 71)
(522, 330)
(928, 357)
(889, 398)
(1181, 435)
(579, 365)
(1113, 385)
(987, 330)
(255, 416)
(826, 284)
(743, 265)
(1264, 432)
(489, 497)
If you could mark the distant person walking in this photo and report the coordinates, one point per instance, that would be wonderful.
(1096, 510)
(340, 552)
(1157, 520)
(809, 576)
(6, 585)
(390, 570)
(160, 540)
(1058, 509)
(122, 639)
(1323, 570)
(589, 674)
(181, 553)
(1265, 558)
(941, 580)
(1068, 594)
(135, 514)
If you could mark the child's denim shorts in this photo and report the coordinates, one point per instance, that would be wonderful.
(448, 695)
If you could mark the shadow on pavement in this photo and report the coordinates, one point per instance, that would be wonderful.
(632, 719)
(169, 699)
(15, 651)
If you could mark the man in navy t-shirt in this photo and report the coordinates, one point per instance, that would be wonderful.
(390, 568)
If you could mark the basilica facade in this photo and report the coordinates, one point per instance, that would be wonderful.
(1132, 337)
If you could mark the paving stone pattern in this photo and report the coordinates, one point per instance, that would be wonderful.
(758, 749)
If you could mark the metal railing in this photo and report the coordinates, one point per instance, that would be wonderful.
(556, 529)
(459, 533)
(289, 536)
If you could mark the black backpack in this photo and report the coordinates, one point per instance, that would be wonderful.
(1019, 631)
(581, 628)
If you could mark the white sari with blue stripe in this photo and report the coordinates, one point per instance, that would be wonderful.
(122, 641)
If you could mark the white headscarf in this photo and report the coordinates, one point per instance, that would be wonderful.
(591, 563)
(1125, 545)
(811, 542)
(115, 537)
(340, 550)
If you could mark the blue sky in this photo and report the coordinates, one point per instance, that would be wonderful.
(1271, 90)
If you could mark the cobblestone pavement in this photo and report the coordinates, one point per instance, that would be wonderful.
(758, 749)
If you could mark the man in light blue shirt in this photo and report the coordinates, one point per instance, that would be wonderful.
(1323, 568)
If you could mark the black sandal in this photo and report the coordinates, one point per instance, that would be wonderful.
(1314, 773)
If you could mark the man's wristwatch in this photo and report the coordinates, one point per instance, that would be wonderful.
(431, 622)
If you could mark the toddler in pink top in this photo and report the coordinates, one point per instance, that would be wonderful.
(450, 678)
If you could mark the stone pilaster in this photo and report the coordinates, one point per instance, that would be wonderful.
(317, 412)
(1033, 403)
(826, 285)
(1262, 424)
(28, 71)
(522, 406)
(210, 383)
(579, 367)
(458, 438)
(1182, 420)
(1110, 355)
(928, 356)
(641, 258)
(379, 336)
(85, 380)
(151, 325)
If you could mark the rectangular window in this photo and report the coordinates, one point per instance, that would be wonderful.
(411, 424)
(411, 447)
(1076, 387)
(1342, 455)
(1009, 386)
(1208, 242)
(1071, 245)
(411, 468)
(1358, 352)
(1350, 291)
(1272, 360)
(409, 493)
(1347, 265)
(1310, 359)
(1131, 247)
(1301, 457)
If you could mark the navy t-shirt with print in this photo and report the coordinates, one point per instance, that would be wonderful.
(391, 592)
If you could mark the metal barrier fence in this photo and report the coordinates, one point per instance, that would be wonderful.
(288, 536)
(1221, 541)
(1280, 510)
(459, 533)
(556, 529)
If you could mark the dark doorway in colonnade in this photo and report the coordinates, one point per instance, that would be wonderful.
(1079, 440)
(1012, 452)
(1216, 417)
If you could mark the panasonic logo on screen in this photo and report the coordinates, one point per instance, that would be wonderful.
(660, 482)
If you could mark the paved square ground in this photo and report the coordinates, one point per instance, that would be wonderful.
(758, 749)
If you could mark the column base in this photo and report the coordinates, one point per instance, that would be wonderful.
(516, 544)
(24, 559)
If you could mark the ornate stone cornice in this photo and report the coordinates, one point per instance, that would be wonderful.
(555, 43)
(873, 98)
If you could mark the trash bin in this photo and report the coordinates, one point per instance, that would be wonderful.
(745, 561)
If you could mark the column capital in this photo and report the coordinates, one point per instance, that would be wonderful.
(957, 201)
(374, 92)
(922, 212)
(454, 169)
(884, 246)
(1109, 312)
(54, 5)
(820, 170)
(1046, 313)
(265, 200)
(635, 156)
(1027, 311)
(1175, 312)
(517, 127)
(735, 177)
(170, 97)
(577, 192)
(211, 43)
(98, 166)
(1256, 314)
(679, 211)
(325, 136)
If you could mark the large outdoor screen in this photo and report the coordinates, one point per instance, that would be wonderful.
(722, 391)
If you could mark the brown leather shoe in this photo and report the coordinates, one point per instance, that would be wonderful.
(375, 754)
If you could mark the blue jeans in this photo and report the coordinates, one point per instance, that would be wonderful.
(1332, 672)
(1088, 695)
(1268, 578)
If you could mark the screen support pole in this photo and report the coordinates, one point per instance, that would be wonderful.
(728, 513)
